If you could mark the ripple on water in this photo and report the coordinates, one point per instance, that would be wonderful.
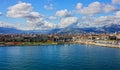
(59, 57)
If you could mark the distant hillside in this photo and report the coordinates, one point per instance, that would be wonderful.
(6, 30)
(68, 30)
(106, 29)
(111, 28)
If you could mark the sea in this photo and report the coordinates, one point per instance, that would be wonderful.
(59, 57)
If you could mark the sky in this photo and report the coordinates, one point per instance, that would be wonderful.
(51, 14)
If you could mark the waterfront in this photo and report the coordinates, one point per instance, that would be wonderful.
(59, 57)
(108, 40)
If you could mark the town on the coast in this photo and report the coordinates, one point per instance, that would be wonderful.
(109, 40)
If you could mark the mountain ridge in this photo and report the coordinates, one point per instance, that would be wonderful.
(68, 30)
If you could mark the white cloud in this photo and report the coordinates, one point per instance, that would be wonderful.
(35, 14)
(116, 1)
(8, 25)
(93, 8)
(52, 18)
(65, 22)
(34, 19)
(17, 26)
(0, 13)
(118, 13)
(63, 13)
(49, 25)
(3, 24)
(37, 21)
(98, 21)
(79, 6)
(45, 26)
(20, 10)
(96, 8)
(109, 8)
(49, 7)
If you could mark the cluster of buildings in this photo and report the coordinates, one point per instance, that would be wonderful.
(110, 39)
(65, 38)
(35, 38)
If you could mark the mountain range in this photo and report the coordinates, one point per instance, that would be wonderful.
(68, 30)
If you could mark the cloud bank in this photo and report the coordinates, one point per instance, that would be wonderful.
(95, 8)
(35, 20)
(92, 15)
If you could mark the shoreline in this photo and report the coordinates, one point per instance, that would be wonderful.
(55, 43)
(25, 43)
(99, 44)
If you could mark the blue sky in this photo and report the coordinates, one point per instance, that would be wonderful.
(50, 14)
(39, 4)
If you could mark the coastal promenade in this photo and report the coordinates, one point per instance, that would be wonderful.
(98, 44)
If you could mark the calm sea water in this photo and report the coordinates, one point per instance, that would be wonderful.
(59, 57)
